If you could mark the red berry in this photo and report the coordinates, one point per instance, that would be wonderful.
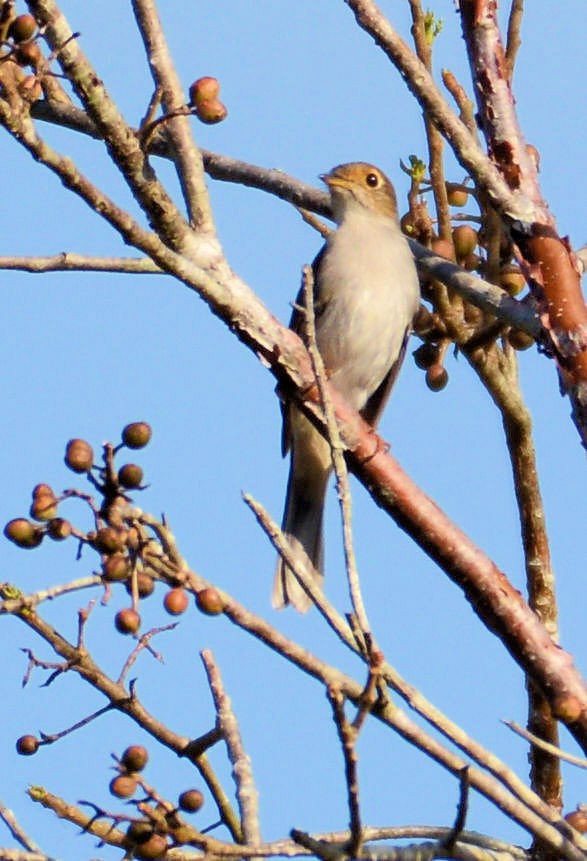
(26, 745)
(127, 621)
(135, 757)
(23, 28)
(209, 601)
(204, 89)
(436, 377)
(123, 785)
(176, 601)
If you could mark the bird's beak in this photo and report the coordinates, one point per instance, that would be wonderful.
(334, 181)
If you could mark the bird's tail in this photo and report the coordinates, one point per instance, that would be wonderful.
(302, 526)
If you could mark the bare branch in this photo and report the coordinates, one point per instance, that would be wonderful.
(245, 785)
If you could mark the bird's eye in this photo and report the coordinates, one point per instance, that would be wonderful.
(372, 180)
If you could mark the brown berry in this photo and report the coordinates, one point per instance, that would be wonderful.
(109, 540)
(457, 195)
(139, 831)
(191, 800)
(26, 745)
(443, 248)
(79, 455)
(145, 585)
(135, 757)
(44, 505)
(23, 533)
(465, 240)
(425, 355)
(59, 529)
(22, 28)
(153, 848)
(28, 54)
(115, 568)
(130, 475)
(211, 111)
(436, 377)
(123, 785)
(578, 819)
(136, 435)
(176, 601)
(127, 621)
(204, 90)
(209, 601)
(472, 262)
(520, 340)
(512, 279)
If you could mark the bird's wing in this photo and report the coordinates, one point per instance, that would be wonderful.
(297, 323)
(372, 410)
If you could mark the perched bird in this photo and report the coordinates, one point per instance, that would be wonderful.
(366, 293)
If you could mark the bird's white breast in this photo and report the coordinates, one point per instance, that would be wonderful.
(369, 292)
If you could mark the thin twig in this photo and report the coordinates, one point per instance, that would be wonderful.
(71, 262)
(188, 159)
(347, 735)
(513, 36)
(545, 745)
(17, 830)
(337, 452)
(246, 791)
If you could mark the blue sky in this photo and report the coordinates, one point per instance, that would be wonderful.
(84, 354)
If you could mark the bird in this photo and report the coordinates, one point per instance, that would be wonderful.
(366, 294)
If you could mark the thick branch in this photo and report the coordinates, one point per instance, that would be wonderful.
(548, 254)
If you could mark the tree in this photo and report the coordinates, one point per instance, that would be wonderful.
(463, 309)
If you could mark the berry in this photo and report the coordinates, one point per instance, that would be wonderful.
(127, 621)
(23, 533)
(176, 601)
(145, 585)
(211, 111)
(79, 455)
(457, 195)
(191, 800)
(139, 832)
(22, 28)
(130, 475)
(209, 601)
(115, 567)
(153, 848)
(578, 819)
(443, 248)
(59, 529)
(203, 90)
(44, 505)
(512, 279)
(135, 757)
(465, 240)
(28, 54)
(26, 745)
(136, 435)
(425, 355)
(123, 785)
(436, 377)
(520, 340)
(109, 540)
